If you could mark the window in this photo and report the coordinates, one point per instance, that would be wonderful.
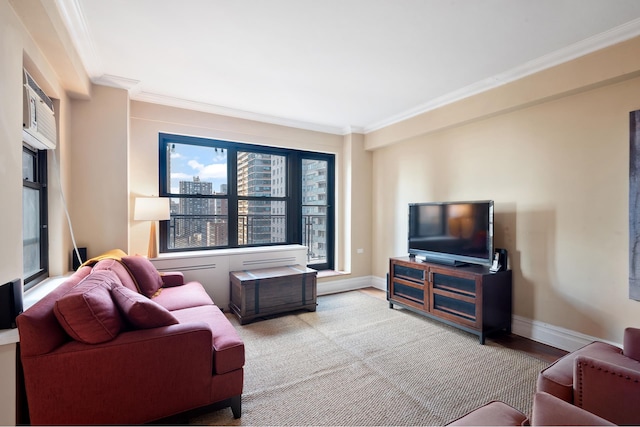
(34, 216)
(231, 195)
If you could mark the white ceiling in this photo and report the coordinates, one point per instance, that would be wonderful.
(332, 65)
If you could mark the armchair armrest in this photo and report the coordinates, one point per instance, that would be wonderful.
(607, 390)
(494, 413)
(549, 410)
(172, 278)
(631, 343)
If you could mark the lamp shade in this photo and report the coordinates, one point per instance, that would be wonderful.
(151, 209)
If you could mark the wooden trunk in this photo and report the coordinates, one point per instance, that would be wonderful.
(267, 291)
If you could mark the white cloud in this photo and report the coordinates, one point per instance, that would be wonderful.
(195, 164)
(181, 176)
(212, 171)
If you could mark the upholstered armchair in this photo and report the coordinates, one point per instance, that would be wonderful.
(600, 378)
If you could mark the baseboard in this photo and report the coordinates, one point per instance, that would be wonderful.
(555, 336)
(342, 285)
(379, 283)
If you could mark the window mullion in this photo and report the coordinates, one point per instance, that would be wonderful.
(232, 191)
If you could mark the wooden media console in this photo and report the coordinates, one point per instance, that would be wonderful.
(469, 297)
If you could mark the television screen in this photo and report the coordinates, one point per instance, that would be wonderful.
(452, 232)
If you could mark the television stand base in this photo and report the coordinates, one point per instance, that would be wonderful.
(447, 262)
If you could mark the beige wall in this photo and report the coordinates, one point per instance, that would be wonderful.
(558, 172)
(99, 167)
(356, 236)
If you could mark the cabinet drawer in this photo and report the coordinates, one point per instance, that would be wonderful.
(461, 310)
(413, 274)
(457, 285)
(408, 292)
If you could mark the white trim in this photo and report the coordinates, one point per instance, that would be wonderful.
(342, 285)
(555, 336)
(170, 101)
(131, 85)
(71, 13)
(379, 283)
(9, 336)
(600, 41)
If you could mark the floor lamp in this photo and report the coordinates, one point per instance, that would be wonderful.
(152, 209)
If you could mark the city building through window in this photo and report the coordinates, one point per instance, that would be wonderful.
(232, 195)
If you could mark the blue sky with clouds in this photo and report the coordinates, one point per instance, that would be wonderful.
(188, 161)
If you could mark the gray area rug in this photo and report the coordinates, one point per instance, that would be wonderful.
(356, 362)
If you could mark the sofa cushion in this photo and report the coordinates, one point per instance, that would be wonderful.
(228, 348)
(139, 310)
(191, 294)
(144, 273)
(119, 269)
(87, 312)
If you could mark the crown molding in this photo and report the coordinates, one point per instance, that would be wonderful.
(72, 15)
(154, 98)
(608, 38)
(131, 85)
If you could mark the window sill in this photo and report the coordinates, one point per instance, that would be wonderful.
(42, 289)
(226, 252)
(330, 273)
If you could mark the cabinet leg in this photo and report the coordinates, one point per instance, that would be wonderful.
(481, 339)
(390, 305)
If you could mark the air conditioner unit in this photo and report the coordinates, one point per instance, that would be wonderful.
(38, 117)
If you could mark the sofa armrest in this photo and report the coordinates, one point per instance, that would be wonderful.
(145, 374)
(607, 390)
(631, 343)
(172, 278)
(549, 410)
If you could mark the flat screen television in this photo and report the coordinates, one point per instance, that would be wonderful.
(452, 233)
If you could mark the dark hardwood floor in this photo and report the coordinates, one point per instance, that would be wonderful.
(516, 342)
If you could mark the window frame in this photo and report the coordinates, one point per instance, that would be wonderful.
(293, 198)
(39, 158)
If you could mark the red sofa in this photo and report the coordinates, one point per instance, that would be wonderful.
(118, 343)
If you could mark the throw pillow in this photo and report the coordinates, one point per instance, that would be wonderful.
(87, 312)
(140, 311)
(145, 274)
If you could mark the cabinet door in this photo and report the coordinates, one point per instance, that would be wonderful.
(407, 285)
(455, 296)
